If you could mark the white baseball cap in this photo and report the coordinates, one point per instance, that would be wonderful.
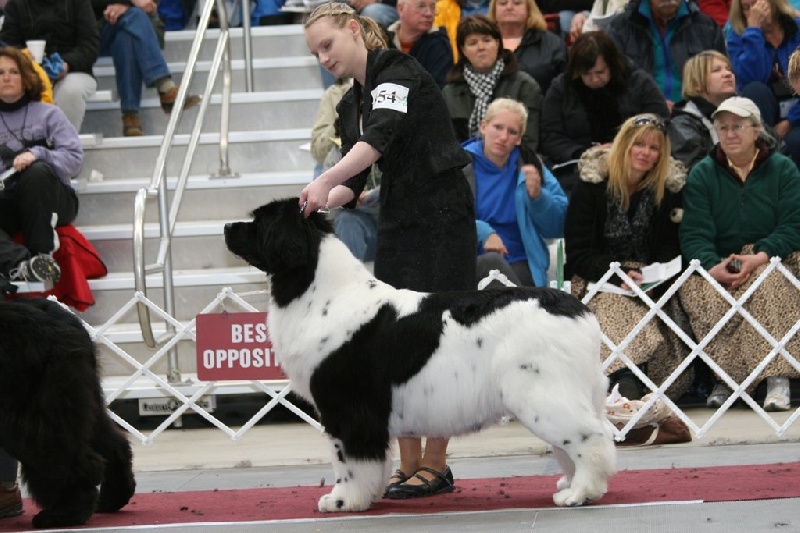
(739, 106)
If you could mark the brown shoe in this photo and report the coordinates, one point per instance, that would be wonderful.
(168, 100)
(131, 126)
(10, 502)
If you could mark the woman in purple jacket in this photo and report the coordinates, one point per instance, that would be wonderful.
(40, 152)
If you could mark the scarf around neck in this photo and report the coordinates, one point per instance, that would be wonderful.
(482, 86)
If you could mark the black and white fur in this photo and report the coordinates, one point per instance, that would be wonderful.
(378, 362)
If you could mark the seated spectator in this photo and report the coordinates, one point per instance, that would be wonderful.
(73, 44)
(268, 13)
(660, 36)
(450, 12)
(38, 141)
(176, 14)
(626, 208)
(596, 18)
(384, 12)
(485, 72)
(708, 80)
(586, 105)
(127, 35)
(357, 228)
(742, 207)
(518, 202)
(763, 35)
(540, 52)
(415, 34)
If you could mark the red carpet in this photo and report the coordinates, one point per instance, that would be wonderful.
(729, 483)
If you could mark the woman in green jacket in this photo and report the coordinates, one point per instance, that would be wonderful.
(741, 208)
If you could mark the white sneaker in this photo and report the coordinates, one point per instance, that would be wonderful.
(719, 395)
(40, 267)
(778, 398)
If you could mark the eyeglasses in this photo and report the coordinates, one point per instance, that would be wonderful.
(733, 128)
(644, 120)
(423, 7)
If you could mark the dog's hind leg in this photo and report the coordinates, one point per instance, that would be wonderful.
(67, 493)
(359, 482)
(118, 484)
(582, 445)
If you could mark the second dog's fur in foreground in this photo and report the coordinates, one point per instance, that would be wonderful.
(378, 362)
(53, 415)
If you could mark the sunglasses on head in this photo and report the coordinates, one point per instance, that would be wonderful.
(652, 121)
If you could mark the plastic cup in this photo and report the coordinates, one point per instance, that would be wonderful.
(36, 48)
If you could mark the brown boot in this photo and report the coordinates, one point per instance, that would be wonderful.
(168, 100)
(10, 502)
(131, 126)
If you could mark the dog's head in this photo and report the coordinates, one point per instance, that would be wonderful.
(279, 239)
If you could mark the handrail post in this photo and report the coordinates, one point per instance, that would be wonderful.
(248, 46)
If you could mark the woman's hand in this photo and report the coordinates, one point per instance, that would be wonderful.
(728, 273)
(533, 181)
(495, 244)
(315, 195)
(759, 15)
(636, 276)
(782, 128)
(23, 161)
(576, 25)
(113, 12)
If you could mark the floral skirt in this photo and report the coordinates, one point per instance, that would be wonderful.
(738, 348)
(656, 349)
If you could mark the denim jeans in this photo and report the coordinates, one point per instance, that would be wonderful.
(133, 44)
(358, 229)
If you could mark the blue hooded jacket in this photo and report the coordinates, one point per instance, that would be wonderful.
(539, 219)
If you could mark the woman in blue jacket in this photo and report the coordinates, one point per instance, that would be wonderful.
(762, 36)
(518, 202)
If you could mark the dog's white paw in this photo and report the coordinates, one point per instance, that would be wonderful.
(331, 503)
(570, 498)
(563, 483)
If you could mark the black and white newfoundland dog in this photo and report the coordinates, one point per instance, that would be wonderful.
(53, 415)
(378, 362)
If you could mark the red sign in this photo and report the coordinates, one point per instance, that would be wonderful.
(235, 346)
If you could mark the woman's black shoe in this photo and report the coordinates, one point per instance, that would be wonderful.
(402, 478)
(442, 482)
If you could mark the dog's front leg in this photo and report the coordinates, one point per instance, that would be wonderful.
(358, 482)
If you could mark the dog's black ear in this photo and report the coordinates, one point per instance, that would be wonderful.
(287, 240)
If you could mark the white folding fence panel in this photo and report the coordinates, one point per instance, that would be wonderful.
(188, 396)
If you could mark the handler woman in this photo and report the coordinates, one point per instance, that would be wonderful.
(395, 116)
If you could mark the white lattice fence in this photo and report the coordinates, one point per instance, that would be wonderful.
(187, 397)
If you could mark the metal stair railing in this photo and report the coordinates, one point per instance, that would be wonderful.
(168, 213)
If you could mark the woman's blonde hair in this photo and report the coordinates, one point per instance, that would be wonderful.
(507, 104)
(794, 67)
(696, 72)
(535, 18)
(632, 131)
(739, 22)
(341, 13)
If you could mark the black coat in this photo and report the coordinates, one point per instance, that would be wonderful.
(426, 229)
(565, 129)
(68, 26)
(588, 254)
(695, 33)
(543, 55)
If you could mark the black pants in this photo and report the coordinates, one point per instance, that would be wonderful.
(27, 204)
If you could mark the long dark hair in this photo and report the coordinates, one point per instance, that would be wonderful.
(31, 83)
(584, 53)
